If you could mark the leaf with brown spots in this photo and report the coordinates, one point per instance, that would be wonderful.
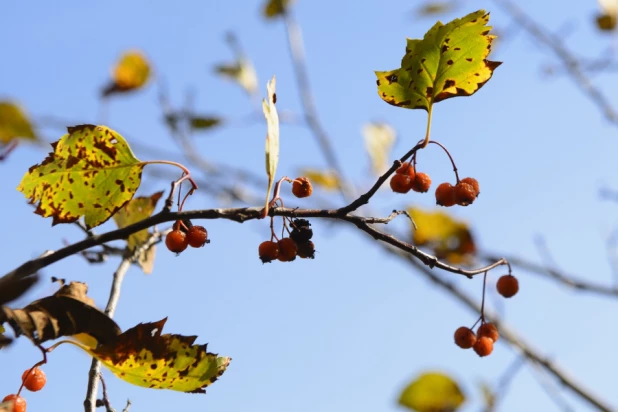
(144, 357)
(432, 391)
(449, 238)
(449, 61)
(67, 312)
(133, 211)
(14, 123)
(92, 172)
(130, 73)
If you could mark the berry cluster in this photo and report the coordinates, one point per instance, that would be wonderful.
(184, 235)
(406, 178)
(487, 334)
(286, 249)
(32, 379)
(463, 193)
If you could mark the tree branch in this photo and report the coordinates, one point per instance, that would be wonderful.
(95, 367)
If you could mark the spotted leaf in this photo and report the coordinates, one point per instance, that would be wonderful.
(449, 61)
(14, 123)
(432, 392)
(133, 211)
(144, 357)
(92, 172)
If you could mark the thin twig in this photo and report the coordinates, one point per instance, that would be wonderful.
(95, 366)
(571, 63)
(297, 52)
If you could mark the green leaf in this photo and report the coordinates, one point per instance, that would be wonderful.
(435, 7)
(92, 172)
(379, 141)
(204, 122)
(449, 61)
(449, 238)
(272, 135)
(133, 211)
(275, 8)
(432, 392)
(144, 357)
(14, 123)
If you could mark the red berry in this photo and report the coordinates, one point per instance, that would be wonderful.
(197, 236)
(484, 346)
(35, 380)
(445, 195)
(302, 187)
(489, 330)
(508, 286)
(472, 182)
(421, 182)
(401, 183)
(306, 250)
(464, 337)
(287, 250)
(19, 403)
(406, 169)
(464, 194)
(176, 241)
(268, 251)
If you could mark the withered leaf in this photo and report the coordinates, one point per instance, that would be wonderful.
(67, 312)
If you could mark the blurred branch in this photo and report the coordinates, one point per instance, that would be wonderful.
(570, 63)
(297, 52)
(553, 274)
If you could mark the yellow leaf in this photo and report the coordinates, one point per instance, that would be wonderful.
(379, 141)
(14, 123)
(432, 392)
(325, 179)
(144, 357)
(275, 8)
(450, 239)
(130, 73)
(272, 135)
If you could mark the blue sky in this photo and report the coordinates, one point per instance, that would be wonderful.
(347, 330)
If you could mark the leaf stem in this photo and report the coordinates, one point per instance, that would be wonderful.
(449, 156)
(428, 132)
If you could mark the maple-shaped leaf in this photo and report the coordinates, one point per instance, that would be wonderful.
(92, 172)
(14, 123)
(144, 357)
(449, 61)
(133, 211)
(130, 73)
(432, 392)
(67, 312)
(449, 238)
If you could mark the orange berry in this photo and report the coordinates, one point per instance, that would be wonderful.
(19, 403)
(464, 194)
(507, 286)
(421, 183)
(197, 236)
(483, 346)
(35, 380)
(445, 195)
(464, 337)
(489, 330)
(406, 169)
(401, 183)
(287, 250)
(268, 251)
(176, 241)
(306, 250)
(474, 183)
(302, 187)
